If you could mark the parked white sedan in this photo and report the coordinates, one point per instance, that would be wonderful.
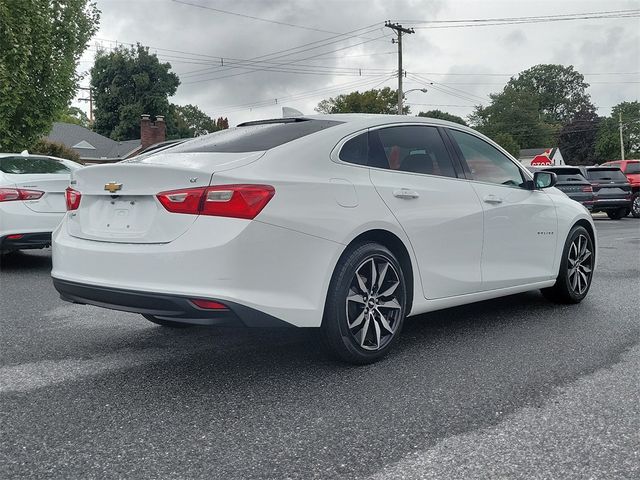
(32, 200)
(349, 223)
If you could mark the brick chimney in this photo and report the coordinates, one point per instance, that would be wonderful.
(152, 133)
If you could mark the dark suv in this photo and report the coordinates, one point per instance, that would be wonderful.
(611, 190)
(631, 168)
(572, 182)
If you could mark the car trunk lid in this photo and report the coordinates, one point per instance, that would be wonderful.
(53, 186)
(119, 201)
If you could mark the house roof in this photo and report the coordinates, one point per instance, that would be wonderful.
(89, 144)
(532, 152)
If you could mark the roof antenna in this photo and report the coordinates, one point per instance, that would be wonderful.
(288, 112)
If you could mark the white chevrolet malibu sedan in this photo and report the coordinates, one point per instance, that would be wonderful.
(349, 223)
(32, 199)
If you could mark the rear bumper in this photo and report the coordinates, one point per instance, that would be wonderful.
(602, 205)
(25, 241)
(167, 307)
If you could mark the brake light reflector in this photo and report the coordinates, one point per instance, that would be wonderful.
(11, 194)
(208, 304)
(587, 188)
(72, 198)
(236, 201)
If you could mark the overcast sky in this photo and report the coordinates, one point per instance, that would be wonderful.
(192, 39)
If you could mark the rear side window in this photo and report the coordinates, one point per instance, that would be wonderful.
(606, 174)
(34, 165)
(633, 167)
(356, 150)
(414, 149)
(254, 138)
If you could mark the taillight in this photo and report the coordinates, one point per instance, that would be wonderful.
(11, 194)
(587, 188)
(208, 304)
(73, 198)
(236, 201)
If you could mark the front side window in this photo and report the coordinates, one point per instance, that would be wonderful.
(414, 149)
(487, 163)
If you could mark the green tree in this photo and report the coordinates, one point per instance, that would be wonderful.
(560, 91)
(439, 114)
(577, 139)
(383, 100)
(188, 121)
(74, 115)
(54, 149)
(507, 142)
(515, 113)
(608, 136)
(41, 42)
(126, 83)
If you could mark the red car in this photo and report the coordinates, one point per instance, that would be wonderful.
(631, 168)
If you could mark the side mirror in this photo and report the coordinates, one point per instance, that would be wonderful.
(544, 179)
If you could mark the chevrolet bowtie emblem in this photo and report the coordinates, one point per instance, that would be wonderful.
(113, 187)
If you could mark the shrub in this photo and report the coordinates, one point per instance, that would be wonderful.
(54, 149)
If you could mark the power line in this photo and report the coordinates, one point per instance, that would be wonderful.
(260, 19)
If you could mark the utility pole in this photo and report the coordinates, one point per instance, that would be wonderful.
(399, 29)
(90, 100)
(621, 142)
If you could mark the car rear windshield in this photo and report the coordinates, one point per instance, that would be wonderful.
(254, 137)
(613, 174)
(34, 165)
(633, 167)
(567, 175)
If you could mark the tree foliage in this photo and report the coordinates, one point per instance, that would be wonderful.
(534, 106)
(383, 100)
(54, 149)
(439, 114)
(74, 115)
(188, 121)
(608, 136)
(514, 113)
(507, 142)
(126, 83)
(560, 91)
(577, 139)
(41, 42)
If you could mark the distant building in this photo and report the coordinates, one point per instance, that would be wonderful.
(95, 148)
(541, 157)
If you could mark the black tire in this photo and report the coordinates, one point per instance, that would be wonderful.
(617, 214)
(379, 312)
(166, 323)
(566, 290)
(635, 205)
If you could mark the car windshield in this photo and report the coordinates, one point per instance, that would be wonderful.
(609, 174)
(19, 165)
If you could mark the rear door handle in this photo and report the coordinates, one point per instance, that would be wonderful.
(405, 193)
(492, 199)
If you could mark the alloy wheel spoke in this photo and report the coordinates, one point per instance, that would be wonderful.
(361, 283)
(384, 322)
(363, 332)
(376, 328)
(393, 303)
(374, 275)
(389, 291)
(585, 255)
(358, 320)
(382, 275)
(355, 297)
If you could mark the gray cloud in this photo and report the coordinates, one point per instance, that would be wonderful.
(592, 46)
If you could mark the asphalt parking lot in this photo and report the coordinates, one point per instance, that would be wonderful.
(510, 388)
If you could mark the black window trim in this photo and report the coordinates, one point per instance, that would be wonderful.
(335, 152)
